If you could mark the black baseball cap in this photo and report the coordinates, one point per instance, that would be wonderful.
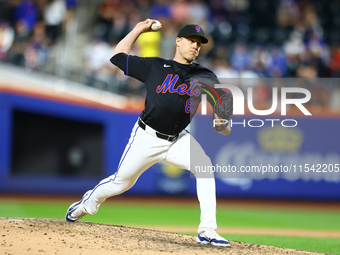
(190, 30)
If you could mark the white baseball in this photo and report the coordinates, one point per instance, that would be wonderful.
(156, 25)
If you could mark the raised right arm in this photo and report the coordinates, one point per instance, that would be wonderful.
(125, 45)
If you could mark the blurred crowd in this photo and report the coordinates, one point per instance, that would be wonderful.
(248, 39)
(30, 28)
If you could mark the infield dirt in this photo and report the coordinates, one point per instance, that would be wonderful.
(28, 236)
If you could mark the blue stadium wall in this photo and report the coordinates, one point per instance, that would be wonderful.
(52, 147)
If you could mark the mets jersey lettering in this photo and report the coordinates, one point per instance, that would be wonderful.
(182, 89)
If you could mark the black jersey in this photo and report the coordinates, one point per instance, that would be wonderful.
(170, 87)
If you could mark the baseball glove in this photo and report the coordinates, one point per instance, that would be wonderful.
(224, 110)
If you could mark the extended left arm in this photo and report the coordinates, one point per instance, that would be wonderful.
(222, 114)
(222, 104)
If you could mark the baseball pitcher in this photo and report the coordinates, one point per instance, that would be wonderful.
(160, 132)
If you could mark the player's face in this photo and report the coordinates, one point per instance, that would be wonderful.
(189, 47)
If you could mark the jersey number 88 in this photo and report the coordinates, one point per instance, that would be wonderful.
(191, 106)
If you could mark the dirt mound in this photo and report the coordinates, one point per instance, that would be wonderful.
(52, 236)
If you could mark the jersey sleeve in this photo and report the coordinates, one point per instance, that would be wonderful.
(209, 82)
(133, 66)
(216, 93)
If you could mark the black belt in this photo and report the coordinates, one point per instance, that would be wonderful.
(169, 138)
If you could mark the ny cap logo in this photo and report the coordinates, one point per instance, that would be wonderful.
(198, 29)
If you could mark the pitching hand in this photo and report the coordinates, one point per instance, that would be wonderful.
(145, 26)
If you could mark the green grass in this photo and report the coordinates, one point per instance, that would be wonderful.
(322, 245)
(179, 215)
(290, 219)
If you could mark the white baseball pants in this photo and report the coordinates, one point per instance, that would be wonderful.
(144, 150)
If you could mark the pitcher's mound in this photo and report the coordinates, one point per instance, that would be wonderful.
(52, 236)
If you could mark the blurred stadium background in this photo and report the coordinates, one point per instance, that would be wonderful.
(66, 112)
